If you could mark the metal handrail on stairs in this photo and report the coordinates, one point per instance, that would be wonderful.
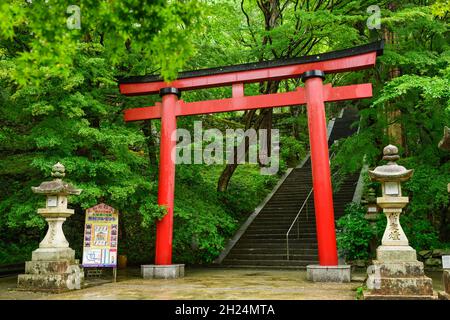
(305, 203)
(295, 220)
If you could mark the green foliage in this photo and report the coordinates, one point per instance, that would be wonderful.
(291, 150)
(151, 211)
(136, 240)
(440, 8)
(158, 31)
(360, 292)
(420, 232)
(59, 102)
(354, 233)
(16, 253)
(200, 226)
(435, 196)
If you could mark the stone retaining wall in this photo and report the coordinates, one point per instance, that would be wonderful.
(432, 259)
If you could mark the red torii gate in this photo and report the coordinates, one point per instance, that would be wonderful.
(312, 69)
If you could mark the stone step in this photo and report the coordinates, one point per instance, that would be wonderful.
(277, 243)
(301, 229)
(276, 236)
(262, 267)
(249, 244)
(268, 225)
(283, 218)
(250, 262)
(265, 250)
(273, 256)
(277, 221)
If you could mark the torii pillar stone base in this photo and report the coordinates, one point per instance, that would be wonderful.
(170, 271)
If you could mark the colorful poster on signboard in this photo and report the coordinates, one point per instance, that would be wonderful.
(100, 236)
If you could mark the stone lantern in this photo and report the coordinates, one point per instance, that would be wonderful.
(370, 203)
(53, 266)
(372, 215)
(396, 273)
(391, 201)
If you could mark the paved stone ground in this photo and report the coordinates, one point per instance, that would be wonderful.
(201, 283)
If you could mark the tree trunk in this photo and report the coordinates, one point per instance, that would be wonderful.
(272, 15)
(444, 230)
(295, 128)
(394, 130)
(225, 177)
(230, 168)
(151, 145)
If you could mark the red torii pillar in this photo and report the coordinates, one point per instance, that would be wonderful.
(323, 191)
(166, 182)
(314, 95)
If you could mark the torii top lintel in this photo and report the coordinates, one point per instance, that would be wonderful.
(351, 59)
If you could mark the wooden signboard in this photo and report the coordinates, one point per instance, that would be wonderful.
(446, 262)
(101, 232)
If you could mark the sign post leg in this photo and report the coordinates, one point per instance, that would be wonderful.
(323, 194)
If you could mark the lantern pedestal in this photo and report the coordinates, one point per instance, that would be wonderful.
(396, 253)
(398, 280)
(51, 276)
(53, 267)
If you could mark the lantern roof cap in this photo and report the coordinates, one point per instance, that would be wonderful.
(391, 171)
(57, 185)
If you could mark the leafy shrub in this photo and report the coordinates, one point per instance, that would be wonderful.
(354, 232)
(420, 232)
(16, 253)
(291, 150)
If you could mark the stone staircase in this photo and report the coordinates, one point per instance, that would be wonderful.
(263, 244)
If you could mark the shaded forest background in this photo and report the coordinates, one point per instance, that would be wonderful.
(59, 101)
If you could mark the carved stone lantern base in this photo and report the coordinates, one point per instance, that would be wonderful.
(51, 276)
(53, 267)
(396, 274)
